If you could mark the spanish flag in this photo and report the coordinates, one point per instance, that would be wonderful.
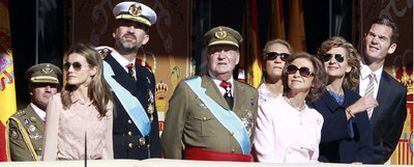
(7, 86)
(277, 20)
(296, 35)
(252, 44)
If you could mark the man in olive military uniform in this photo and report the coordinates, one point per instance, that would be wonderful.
(212, 117)
(136, 131)
(26, 127)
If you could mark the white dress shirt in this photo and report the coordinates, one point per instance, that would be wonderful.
(286, 135)
(39, 112)
(217, 82)
(122, 60)
(364, 79)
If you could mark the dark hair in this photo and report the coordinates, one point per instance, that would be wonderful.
(351, 78)
(98, 90)
(389, 22)
(266, 50)
(319, 79)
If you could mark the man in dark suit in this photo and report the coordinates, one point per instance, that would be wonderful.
(388, 118)
(26, 127)
(212, 117)
(136, 131)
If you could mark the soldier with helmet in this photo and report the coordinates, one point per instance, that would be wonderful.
(26, 127)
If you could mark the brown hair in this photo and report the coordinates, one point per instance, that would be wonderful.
(319, 80)
(98, 90)
(389, 22)
(352, 77)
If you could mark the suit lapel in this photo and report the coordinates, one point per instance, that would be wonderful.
(213, 92)
(383, 93)
(239, 96)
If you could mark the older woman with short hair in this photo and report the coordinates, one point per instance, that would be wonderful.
(288, 130)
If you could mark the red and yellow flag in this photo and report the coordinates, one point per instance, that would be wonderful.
(277, 21)
(296, 36)
(253, 48)
(7, 86)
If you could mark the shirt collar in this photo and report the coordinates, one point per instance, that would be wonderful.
(39, 112)
(76, 99)
(121, 59)
(218, 81)
(366, 71)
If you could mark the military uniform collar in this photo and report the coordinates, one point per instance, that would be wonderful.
(121, 59)
(218, 81)
(39, 112)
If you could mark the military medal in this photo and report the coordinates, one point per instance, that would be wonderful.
(32, 128)
(150, 109)
(26, 121)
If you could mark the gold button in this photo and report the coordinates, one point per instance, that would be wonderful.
(129, 133)
(130, 145)
(233, 150)
(231, 133)
(129, 121)
(204, 118)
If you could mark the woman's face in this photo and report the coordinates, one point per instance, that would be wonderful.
(336, 62)
(78, 71)
(300, 75)
(275, 61)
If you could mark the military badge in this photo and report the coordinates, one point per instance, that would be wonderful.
(47, 70)
(221, 34)
(135, 9)
(32, 128)
(13, 133)
(26, 121)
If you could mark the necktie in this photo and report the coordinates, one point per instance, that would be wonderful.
(130, 68)
(227, 95)
(370, 92)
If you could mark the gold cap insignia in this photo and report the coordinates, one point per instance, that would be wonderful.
(47, 70)
(135, 9)
(221, 34)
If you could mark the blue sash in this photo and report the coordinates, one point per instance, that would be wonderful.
(226, 117)
(130, 103)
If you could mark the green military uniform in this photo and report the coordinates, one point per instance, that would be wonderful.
(189, 123)
(25, 129)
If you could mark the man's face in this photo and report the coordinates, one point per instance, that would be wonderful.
(41, 94)
(378, 43)
(223, 59)
(130, 36)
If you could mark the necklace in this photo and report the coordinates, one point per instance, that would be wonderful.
(300, 108)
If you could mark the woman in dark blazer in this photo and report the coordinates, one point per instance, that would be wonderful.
(346, 135)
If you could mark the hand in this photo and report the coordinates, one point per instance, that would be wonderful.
(363, 104)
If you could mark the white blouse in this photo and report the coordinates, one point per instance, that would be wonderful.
(286, 135)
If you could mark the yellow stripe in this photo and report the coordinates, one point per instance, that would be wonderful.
(26, 139)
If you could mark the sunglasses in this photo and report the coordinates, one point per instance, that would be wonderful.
(274, 55)
(338, 57)
(303, 71)
(76, 66)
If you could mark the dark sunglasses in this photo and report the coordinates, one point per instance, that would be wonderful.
(76, 66)
(274, 55)
(338, 57)
(303, 71)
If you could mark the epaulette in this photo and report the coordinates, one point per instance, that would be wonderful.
(19, 113)
(103, 51)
